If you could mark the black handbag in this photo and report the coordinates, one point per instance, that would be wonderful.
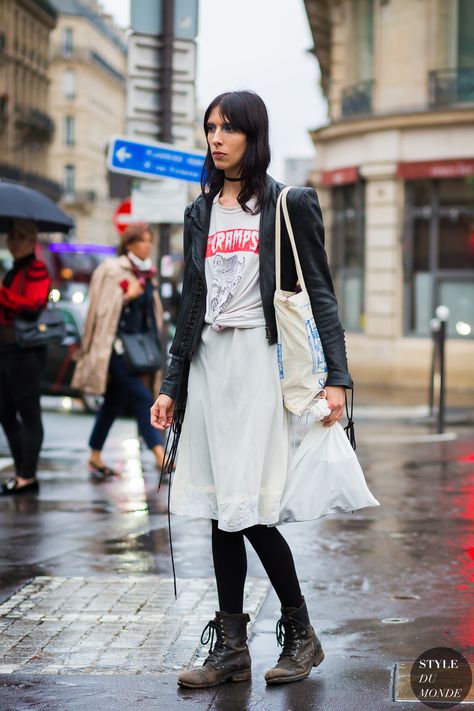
(44, 329)
(142, 352)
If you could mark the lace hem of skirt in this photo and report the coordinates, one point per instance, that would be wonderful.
(232, 513)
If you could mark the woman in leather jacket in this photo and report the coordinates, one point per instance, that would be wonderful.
(222, 395)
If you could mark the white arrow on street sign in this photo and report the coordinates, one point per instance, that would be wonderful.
(122, 154)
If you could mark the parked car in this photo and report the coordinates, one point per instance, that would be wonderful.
(57, 375)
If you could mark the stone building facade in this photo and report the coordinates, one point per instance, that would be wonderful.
(395, 176)
(88, 93)
(26, 126)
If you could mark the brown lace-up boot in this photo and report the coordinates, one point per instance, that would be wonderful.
(302, 649)
(229, 660)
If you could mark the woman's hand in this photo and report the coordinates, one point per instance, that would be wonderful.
(336, 400)
(134, 290)
(161, 413)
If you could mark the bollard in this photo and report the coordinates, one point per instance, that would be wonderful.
(434, 326)
(442, 313)
(437, 391)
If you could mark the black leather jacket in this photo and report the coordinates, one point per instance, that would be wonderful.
(308, 227)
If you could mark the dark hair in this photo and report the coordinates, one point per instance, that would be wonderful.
(246, 112)
(133, 233)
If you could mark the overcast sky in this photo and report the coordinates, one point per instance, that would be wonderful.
(260, 45)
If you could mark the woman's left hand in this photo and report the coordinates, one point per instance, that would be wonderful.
(336, 400)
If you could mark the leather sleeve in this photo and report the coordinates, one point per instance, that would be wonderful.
(169, 385)
(309, 236)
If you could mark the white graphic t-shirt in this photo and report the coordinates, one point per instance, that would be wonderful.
(232, 269)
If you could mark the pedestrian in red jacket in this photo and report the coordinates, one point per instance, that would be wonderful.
(24, 292)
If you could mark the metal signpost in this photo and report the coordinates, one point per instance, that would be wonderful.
(161, 100)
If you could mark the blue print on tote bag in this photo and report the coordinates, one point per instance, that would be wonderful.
(280, 361)
(319, 361)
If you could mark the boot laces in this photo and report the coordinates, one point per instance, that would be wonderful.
(288, 631)
(211, 630)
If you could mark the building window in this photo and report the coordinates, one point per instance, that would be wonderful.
(347, 252)
(466, 34)
(363, 39)
(439, 255)
(69, 84)
(69, 130)
(356, 97)
(68, 41)
(69, 180)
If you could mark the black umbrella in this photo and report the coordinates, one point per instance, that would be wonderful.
(16, 201)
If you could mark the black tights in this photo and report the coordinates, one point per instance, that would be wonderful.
(230, 565)
(20, 410)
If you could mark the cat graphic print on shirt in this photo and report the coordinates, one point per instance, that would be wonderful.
(232, 269)
(226, 278)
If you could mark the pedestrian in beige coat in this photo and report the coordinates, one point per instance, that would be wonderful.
(123, 296)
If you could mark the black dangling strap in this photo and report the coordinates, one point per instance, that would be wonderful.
(174, 433)
(171, 448)
(175, 587)
(349, 428)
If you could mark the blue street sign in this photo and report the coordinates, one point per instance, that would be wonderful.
(153, 160)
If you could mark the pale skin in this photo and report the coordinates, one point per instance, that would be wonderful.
(228, 146)
(142, 249)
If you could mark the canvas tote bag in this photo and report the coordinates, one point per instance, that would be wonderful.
(302, 365)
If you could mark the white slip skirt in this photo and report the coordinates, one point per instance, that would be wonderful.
(233, 451)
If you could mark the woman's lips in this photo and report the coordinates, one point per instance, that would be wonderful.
(217, 154)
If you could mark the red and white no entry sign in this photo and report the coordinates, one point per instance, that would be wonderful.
(123, 215)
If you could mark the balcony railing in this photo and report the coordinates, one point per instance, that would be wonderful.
(451, 86)
(357, 99)
(35, 124)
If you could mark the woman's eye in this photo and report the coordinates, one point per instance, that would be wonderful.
(210, 127)
(228, 127)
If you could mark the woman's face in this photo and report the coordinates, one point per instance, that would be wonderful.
(227, 144)
(141, 248)
(20, 244)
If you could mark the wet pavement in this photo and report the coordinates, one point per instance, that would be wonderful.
(88, 618)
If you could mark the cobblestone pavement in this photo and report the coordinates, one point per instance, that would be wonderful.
(109, 625)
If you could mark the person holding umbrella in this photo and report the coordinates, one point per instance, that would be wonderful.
(23, 213)
(24, 292)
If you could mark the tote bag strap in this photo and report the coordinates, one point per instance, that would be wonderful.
(282, 203)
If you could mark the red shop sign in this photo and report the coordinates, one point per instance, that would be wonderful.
(341, 176)
(419, 170)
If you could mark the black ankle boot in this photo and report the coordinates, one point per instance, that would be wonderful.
(302, 649)
(228, 660)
